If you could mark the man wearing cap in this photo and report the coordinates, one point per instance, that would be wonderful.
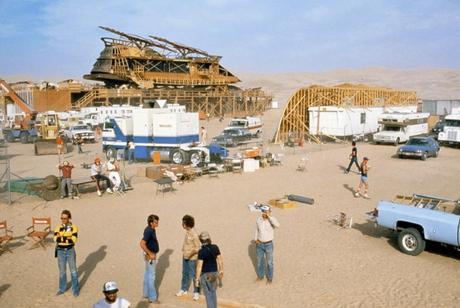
(150, 247)
(363, 181)
(111, 300)
(265, 227)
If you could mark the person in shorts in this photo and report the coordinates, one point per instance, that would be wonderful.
(364, 178)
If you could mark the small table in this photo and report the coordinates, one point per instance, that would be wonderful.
(164, 183)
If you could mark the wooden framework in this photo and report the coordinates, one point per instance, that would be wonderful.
(220, 101)
(294, 122)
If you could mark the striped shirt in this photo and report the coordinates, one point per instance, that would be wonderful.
(66, 235)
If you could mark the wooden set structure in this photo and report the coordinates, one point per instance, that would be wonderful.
(136, 69)
(294, 122)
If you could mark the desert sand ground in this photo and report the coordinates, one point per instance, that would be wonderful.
(317, 264)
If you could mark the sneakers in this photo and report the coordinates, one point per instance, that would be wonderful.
(62, 197)
(59, 293)
(99, 193)
(109, 191)
(196, 296)
(366, 196)
(181, 293)
(356, 194)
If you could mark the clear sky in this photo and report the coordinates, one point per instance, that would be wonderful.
(61, 38)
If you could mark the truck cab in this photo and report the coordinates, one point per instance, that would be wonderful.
(253, 124)
(451, 130)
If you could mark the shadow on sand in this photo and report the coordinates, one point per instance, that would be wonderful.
(87, 267)
(253, 254)
(162, 265)
(3, 288)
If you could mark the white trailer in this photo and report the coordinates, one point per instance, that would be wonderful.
(399, 127)
(253, 124)
(344, 122)
(96, 116)
(451, 131)
(170, 131)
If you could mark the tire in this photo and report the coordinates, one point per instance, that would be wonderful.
(110, 152)
(377, 143)
(397, 141)
(24, 137)
(424, 156)
(411, 242)
(436, 154)
(196, 158)
(178, 157)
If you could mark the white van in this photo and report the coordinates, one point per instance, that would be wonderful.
(253, 124)
(451, 132)
(399, 127)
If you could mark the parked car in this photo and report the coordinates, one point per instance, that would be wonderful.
(86, 134)
(231, 137)
(420, 218)
(420, 147)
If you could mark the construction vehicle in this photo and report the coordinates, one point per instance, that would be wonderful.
(47, 126)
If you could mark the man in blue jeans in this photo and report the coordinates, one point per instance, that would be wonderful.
(150, 247)
(265, 227)
(65, 237)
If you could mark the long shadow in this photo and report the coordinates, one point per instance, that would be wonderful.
(351, 189)
(143, 304)
(343, 169)
(3, 288)
(162, 265)
(253, 254)
(91, 261)
(369, 229)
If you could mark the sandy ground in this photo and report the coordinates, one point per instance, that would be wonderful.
(316, 263)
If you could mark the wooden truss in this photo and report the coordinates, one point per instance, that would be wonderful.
(294, 122)
(219, 101)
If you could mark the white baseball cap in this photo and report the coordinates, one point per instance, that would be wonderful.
(110, 287)
(265, 208)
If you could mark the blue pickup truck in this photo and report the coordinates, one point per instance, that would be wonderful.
(420, 218)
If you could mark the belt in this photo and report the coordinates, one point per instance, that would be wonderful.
(65, 247)
(265, 242)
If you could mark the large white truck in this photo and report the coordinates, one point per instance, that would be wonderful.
(170, 131)
(451, 132)
(96, 116)
(399, 127)
(253, 124)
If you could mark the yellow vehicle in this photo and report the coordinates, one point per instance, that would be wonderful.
(47, 126)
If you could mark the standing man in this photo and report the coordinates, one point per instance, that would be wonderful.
(65, 237)
(353, 157)
(203, 135)
(60, 146)
(209, 269)
(131, 148)
(150, 247)
(190, 250)
(363, 181)
(265, 227)
(111, 300)
(66, 181)
(96, 174)
(79, 142)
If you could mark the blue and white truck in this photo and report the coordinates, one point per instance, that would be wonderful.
(420, 218)
(171, 131)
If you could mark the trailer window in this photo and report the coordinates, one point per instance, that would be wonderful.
(455, 123)
(363, 118)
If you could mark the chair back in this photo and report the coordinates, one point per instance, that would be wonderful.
(41, 223)
(3, 227)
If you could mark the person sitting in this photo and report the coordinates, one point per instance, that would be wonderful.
(97, 175)
(114, 176)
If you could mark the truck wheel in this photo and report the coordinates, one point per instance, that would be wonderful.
(178, 157)
(10, 137)
(424, 156)
(436, 154)
(110, 153)
(397, 141)
(195, 158)
(24, 136)
(411, 242)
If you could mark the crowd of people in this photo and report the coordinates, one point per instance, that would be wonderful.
(202, 262)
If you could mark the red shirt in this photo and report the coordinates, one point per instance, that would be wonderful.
(66, 171)
(59, 141)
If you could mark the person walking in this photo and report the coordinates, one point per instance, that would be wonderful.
(363, 180)
(111, 299)
(265, 232)
(79, 142)
(131, 148)
(209, 269)
(150, 246)
(65, 237)
(97, 175)
(66, 181)
(190, 249)
(353, 157)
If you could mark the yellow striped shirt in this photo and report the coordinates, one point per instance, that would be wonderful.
(66, 235)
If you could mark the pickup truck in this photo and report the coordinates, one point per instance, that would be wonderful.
(420, 218)
(231, 137)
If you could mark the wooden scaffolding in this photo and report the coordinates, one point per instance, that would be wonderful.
(294, 122)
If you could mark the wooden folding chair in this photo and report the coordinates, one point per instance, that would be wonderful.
(6, 235)
(40, 229)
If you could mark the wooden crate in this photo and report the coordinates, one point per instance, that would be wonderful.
(282, 203)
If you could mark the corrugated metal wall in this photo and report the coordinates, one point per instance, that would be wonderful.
(440, 107)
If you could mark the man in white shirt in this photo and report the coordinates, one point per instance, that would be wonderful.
(265, 232)
(110, 290)
(204, 135)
